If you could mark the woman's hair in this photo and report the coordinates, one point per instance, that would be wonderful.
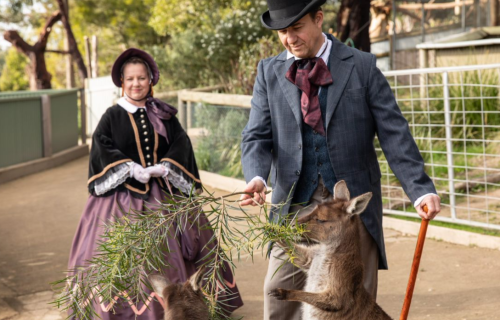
(136, 60)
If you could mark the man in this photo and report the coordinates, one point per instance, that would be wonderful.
(316, 108)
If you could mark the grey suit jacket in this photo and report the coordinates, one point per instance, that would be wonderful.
(360, 104)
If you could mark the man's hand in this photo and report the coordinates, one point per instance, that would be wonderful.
(258, 189)
(433, 203)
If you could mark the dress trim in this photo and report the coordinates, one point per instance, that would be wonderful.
(178, 165)
(113, 179)
(137, 190)
(109, 166)
(137, 140)
(155, 157)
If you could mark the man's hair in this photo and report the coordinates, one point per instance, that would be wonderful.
(314, 11)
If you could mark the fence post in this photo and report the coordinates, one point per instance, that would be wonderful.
(182, 111)
(189, 114)
(83, 116)
(46, 125)
(449, 145)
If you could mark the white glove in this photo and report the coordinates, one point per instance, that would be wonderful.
(157, 170)
(139, 173)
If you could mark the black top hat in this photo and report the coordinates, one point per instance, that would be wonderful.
(284, 13)
(116, 71)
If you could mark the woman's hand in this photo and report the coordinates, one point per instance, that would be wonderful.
(139, 173)
(157, 170)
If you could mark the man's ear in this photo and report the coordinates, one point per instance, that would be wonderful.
(358, 204)
(319, 18)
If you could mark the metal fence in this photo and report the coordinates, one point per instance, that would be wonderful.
(38, 124)
(453, 114)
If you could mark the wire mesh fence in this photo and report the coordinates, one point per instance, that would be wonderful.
(453, 114)
(454, 117)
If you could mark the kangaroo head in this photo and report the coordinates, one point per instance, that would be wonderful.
(182, 301)
(332, 218)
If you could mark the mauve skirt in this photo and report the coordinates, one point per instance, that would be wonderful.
(185, 254)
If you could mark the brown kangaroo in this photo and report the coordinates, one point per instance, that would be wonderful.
(334, 287)
(182, 301)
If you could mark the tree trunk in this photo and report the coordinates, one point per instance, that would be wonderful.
(39, 76)
(494, 12)
(72, 46)
(353, 23)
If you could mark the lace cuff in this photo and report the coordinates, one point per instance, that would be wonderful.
(178, 179)
(113, 178)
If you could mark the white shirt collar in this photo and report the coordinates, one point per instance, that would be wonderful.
(324, 56)
(122, 102)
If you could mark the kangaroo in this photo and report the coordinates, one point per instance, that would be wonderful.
(182, 301)
(334, 287)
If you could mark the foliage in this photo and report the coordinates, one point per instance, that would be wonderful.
(246, 70)
(219, 150)
(207, 38)
(135, 245)
(13, 77)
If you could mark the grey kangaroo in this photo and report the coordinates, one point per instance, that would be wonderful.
(334, 287)
(182, 301)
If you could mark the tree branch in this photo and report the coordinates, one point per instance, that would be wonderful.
(72, 45)
(58, 51)
(44, 35)
(13, 37)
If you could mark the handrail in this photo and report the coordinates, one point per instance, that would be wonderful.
(235, 100)
(440, 69)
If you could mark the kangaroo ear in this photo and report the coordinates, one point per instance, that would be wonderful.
(159, 283)
(196, 280)
(358, 204)
(340, 191)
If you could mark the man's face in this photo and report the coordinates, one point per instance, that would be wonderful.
(304, 38)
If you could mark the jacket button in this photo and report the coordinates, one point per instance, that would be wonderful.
(297, 172)
(320, 164)
(315, 132)
(316, 149)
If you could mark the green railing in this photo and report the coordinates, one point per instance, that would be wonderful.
(37, 124)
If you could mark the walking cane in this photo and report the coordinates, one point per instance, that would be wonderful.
(414, 267)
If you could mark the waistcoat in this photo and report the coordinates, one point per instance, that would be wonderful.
(315, 160)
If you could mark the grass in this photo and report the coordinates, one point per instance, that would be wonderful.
(483, 231)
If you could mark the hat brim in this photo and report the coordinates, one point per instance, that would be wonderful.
(267, 22)
(127, 54)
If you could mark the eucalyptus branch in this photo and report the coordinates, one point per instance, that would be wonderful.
(137, 244)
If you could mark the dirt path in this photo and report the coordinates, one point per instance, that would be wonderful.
(39, 214)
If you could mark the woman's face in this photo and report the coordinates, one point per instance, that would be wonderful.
(136, 81)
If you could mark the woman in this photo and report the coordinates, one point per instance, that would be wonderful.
(139, 154)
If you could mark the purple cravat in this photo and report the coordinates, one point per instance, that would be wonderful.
(157, 111)
(308, 75)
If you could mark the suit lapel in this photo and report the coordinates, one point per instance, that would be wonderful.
(290, 91)
(341, 71)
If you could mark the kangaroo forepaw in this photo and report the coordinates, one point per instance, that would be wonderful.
(279, 294)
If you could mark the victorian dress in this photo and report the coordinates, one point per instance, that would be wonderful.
(125, 135)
